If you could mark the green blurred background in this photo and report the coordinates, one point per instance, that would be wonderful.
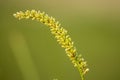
(28, 51)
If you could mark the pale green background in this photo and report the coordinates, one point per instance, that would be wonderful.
(28, 51)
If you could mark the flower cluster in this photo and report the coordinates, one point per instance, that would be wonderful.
(60, 34)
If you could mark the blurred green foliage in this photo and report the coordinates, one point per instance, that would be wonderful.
(29, 52)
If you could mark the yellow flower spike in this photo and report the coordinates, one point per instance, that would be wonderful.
(60, 34)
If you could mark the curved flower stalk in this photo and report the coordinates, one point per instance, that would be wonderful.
(60, 34)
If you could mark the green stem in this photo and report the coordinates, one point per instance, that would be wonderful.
(81, 75)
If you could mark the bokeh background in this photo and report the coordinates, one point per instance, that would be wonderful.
(28, 51)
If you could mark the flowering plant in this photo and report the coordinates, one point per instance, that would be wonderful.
(60, 34)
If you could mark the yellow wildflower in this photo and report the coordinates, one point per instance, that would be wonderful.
(60, 34)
